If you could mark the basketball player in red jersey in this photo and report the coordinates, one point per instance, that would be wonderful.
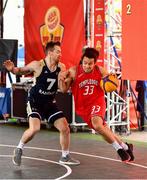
(84, 81)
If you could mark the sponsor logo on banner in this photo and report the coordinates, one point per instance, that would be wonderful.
(52, 30)
(54, 20)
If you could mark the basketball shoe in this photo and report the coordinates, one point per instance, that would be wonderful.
(123, 155)
(68, 160)
(17, 156)
(130, 151)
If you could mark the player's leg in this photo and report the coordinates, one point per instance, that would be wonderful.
(63, 127)
(34, 127)
(57, 118)
(107, 134)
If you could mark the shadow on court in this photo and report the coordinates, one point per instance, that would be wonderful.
(40, 159)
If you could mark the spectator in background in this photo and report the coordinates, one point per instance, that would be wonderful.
(140, 104)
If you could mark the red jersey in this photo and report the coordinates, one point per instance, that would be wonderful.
(88, 95)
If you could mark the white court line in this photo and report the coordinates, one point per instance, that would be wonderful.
(78, 153)
(69, 171)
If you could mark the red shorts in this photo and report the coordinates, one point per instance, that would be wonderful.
(97, 108)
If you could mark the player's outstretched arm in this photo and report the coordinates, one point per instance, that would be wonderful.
(9, 65)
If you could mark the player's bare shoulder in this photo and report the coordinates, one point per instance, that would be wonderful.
(62, 66)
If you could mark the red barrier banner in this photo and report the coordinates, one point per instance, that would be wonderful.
(134, 39)
(54, 20)
(99, 21)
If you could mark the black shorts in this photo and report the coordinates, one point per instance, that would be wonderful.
(44, 110)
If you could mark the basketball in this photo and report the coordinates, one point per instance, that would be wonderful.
(109, 83)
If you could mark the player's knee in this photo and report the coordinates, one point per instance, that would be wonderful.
(65, 129)
(34, 130)
(97, 123)
(62, 126)
(98, 127)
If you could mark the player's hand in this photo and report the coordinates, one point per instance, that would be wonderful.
(9, 65)
(63, 75)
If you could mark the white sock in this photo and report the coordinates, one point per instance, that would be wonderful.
(65, 153)
(124, 146)
(116, 145)
(20, 145)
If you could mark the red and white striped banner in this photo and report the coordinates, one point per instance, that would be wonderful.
(99, 18)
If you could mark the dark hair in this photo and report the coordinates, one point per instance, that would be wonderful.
(50, 46)
(90, 53)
